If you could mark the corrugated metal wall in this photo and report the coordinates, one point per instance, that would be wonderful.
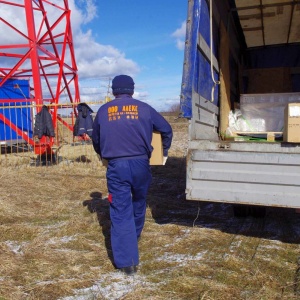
(271, 179)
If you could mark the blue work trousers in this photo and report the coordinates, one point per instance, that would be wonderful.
(128, 182)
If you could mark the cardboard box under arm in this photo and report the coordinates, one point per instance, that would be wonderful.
(157, 153)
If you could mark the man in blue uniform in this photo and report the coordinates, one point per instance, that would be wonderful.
(122, 134)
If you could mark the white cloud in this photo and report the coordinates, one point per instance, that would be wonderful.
(180, 32)
(89, 10)
(180, 44)
(179, 35)
(94, 60)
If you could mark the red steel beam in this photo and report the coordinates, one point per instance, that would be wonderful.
(33, 53)
(42, 57)
(17, 130)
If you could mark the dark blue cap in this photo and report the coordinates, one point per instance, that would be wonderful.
(123, 84)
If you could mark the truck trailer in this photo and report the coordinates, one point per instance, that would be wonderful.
(241, 93)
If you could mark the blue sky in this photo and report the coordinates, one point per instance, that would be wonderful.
(140, 38)
(143, 39)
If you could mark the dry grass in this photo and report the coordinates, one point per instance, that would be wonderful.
(54, 239)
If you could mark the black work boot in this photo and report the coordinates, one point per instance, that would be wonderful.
(131, 270)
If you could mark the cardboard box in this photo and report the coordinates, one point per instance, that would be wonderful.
(291, 131)
(157, 153)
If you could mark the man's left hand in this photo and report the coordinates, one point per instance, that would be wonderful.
(165, 160)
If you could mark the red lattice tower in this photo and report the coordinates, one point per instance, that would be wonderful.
(36, 43)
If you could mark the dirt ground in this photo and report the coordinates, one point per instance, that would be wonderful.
(55, 239)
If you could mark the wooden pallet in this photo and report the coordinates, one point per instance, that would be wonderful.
(269, 135)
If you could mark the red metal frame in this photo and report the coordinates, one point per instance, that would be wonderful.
(46, 57)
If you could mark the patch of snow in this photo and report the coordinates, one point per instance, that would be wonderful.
(235, 245)
(15, 247)
(112, 286)
(226, 256)
(265, 258)
(181, 259)
(56, 225)
(64, 239)
(277, 247)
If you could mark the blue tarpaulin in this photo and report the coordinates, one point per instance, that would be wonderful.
(18, 112)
